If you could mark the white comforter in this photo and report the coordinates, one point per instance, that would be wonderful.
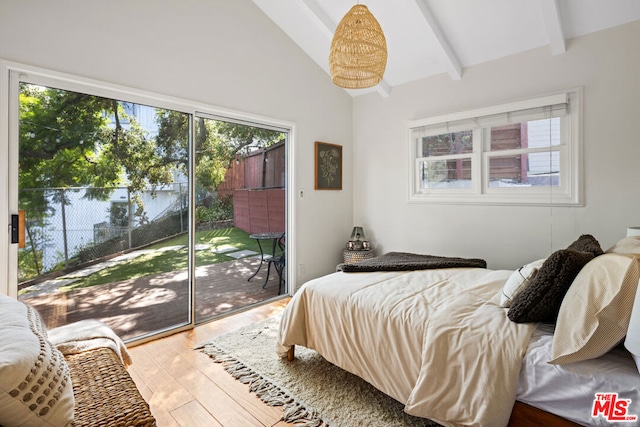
(435, 340)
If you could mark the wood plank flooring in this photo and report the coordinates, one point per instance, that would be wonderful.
(184, 387)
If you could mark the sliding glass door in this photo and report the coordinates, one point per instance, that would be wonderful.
(240, 172)
(104, 191)
(142, 215)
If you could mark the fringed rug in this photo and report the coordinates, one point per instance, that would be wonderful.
(312, 391)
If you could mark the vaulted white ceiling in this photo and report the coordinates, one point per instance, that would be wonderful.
(429, 37)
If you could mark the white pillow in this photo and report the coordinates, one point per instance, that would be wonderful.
(518, 280)
(596, 311)
(35, 386)
(626, 245)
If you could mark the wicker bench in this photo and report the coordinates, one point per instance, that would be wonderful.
(104, 392)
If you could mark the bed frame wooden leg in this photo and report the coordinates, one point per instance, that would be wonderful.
(291, 354)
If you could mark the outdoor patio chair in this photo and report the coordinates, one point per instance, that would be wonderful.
(278, 262)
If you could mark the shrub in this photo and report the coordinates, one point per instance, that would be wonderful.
(219, 210)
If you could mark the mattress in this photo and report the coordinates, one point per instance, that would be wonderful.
(569, 390)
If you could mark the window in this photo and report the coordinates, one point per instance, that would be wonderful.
(524, 152)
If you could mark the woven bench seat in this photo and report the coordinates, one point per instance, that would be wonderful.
(104, 392)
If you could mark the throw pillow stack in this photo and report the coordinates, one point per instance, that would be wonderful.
(540, 299)
(589, 295)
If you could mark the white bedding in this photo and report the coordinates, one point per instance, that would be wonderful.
(568, 390)
(435, 340)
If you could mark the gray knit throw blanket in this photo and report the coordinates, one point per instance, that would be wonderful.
(404, 261)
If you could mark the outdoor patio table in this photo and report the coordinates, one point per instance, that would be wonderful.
(275, 238)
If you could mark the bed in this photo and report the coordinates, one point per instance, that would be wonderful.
(461, 344)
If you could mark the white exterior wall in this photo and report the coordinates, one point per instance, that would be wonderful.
(606, 64)
(82, 215)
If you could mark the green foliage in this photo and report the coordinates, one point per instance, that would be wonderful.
(60, 133)
(119, 214)
(219, 210)
(30, 259)
(27, 265)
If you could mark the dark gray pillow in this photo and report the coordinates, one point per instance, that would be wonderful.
(540, 300)
(587, 243)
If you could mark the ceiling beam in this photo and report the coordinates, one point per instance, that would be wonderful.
(551, 16)
(318, 12)
(451, 59)
(383, 88)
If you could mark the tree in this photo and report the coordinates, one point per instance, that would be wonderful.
(216, 143)
(70, 139)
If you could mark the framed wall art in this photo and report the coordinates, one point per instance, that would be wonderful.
(328, 166)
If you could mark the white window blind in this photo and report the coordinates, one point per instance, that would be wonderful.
(555, 106)
(511, 174)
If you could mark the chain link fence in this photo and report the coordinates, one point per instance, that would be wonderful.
(72, 226)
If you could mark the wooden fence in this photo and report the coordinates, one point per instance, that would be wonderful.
(256, 182)
(259, 211)
(260, 169)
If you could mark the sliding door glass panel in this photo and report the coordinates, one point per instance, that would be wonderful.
(104, 186)
(240, 215)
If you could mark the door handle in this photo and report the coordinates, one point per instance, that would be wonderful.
(17, 228)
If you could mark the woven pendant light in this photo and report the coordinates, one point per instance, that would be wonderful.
(358, 54)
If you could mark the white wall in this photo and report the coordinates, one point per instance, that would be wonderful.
(220, 52)
(606, 64)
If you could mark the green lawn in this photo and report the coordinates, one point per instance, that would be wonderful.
(172, 260)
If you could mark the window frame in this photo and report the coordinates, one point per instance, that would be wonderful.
(568, 193)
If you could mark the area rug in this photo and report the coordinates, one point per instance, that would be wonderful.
(312, 391)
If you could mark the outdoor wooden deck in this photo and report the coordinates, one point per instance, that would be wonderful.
(137, 307)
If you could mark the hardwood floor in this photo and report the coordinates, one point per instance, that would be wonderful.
(184, 387)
